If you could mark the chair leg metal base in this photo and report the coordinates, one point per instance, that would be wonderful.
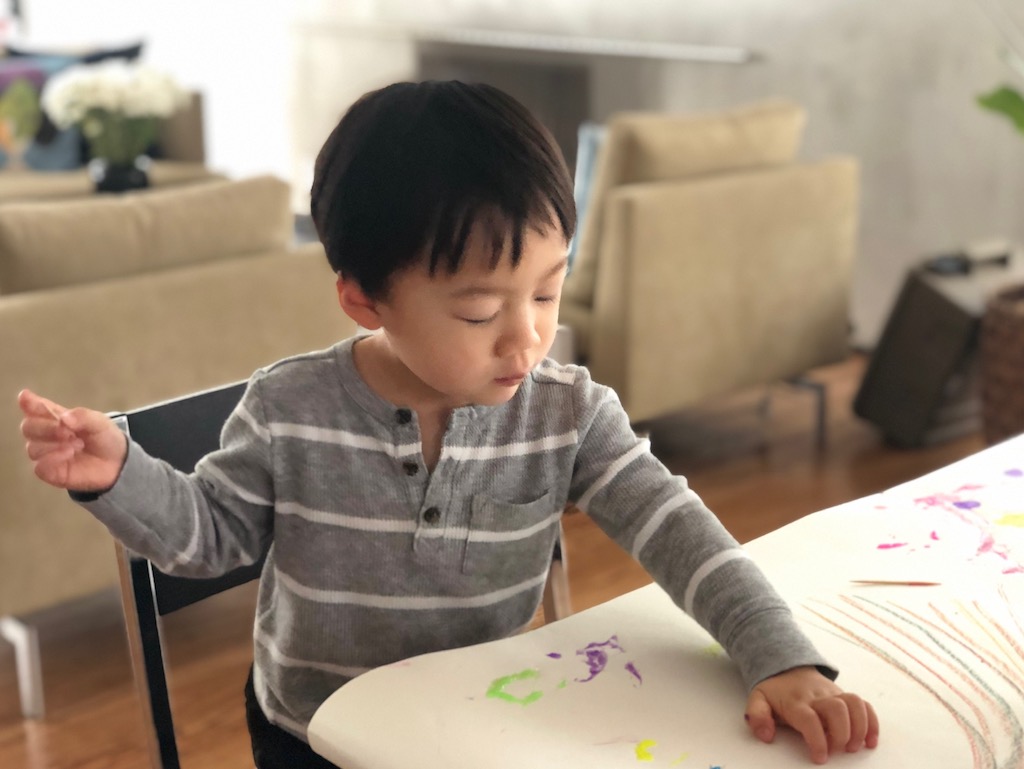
(25, 640)
(820, 391)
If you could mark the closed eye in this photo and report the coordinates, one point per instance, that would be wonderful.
(479, 321)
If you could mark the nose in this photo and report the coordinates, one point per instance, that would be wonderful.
(520, 334)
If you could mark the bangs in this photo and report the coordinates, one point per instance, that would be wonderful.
(489, 228)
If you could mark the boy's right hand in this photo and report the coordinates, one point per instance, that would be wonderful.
(77, 449)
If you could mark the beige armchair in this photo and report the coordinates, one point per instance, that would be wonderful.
(709, 259)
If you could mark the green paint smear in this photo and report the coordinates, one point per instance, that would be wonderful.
(1012, 520)
(643, 750)
(563, 684)
(497, 688)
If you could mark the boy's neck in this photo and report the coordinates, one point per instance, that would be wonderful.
(389, 378)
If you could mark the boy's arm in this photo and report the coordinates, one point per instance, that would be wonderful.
(200, 524)
(657, 518)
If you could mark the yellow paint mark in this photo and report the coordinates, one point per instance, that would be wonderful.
(713, 650)
(643, 750)
(681, 758)
(1012, 520)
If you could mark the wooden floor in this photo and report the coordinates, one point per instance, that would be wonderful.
(756, 473)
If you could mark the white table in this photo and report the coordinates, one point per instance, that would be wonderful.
(943, 665)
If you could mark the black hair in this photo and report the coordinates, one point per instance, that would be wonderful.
(413, 167)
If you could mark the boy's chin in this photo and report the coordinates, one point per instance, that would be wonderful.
(497, 397)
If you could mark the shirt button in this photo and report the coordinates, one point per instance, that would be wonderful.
(432, 515)
(403, 416)
(411, 468)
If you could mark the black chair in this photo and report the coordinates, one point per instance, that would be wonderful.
(181, 432)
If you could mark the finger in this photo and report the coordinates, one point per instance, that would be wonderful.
(759, 716)
(807, 722)
(85, 421)
(37, 406)
(36, 450)
(53, 468)
(871, 738)
(858, 710)
(835, 715)
(39, 429)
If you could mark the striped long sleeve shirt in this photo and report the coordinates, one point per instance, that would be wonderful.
(372, 559)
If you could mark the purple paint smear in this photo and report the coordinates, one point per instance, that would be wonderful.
(632, 669)
(597, 657)
(967, 504)
(891, 545)
(1015, 472)
(555, 655)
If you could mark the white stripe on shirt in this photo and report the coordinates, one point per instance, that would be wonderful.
(558, 374)
(655, 521)
(358, 522)
(612, 470)
(214, 472)
(291, 662)
(261, 432)
(704, 570)
(342, 438)
(408, 602)
(522, 448)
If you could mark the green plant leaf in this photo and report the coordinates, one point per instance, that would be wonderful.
(1006, 101)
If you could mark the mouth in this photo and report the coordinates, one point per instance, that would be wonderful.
(509, 381)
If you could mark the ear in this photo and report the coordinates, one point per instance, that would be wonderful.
(357, 305)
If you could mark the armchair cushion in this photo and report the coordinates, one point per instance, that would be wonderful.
(657, 147)
(43, 245)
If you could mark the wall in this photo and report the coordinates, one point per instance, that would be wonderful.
(236, 53)
(890, 82)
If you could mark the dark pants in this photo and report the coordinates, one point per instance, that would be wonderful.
(272, 746)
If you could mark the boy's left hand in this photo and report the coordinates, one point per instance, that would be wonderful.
(829, 719)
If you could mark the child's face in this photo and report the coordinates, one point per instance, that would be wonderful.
(470, 338)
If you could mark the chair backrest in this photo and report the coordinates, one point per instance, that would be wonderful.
(180, 432)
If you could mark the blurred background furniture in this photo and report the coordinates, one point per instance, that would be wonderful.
(922, 383)
(182, 154)
(114, 302)
(709, 258)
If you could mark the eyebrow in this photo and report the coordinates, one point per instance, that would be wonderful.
(469, 291)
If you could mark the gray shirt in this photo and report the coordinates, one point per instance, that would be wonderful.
(371, 558)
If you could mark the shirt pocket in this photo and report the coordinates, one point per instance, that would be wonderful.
(511, 542)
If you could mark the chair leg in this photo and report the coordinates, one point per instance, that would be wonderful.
(820, 391)
(557, 603)
(25, 640)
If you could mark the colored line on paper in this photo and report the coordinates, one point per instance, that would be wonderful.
(908, 583)
(974, 741)
(969, 671)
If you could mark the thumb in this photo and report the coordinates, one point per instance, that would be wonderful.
(759, 716)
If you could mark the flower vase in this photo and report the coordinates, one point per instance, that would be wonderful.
(108, 176)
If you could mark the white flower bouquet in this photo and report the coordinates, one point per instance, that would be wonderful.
(117, 105)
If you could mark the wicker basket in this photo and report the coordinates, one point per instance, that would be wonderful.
(1001, 358)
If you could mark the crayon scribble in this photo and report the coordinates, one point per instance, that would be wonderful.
(980, 684)
(643, 750)
(596, 656)
(497, 687)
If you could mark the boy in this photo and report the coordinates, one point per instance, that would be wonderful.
(408, 484)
